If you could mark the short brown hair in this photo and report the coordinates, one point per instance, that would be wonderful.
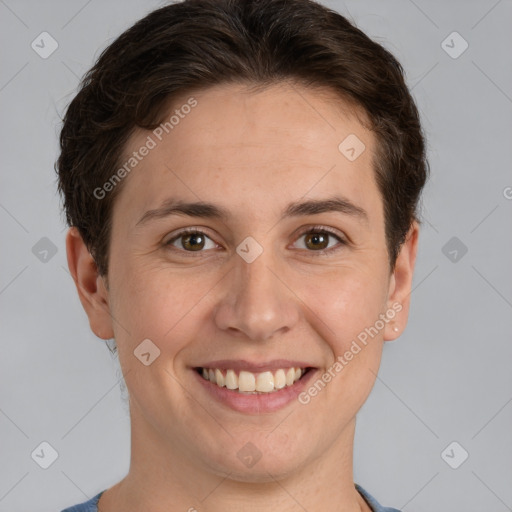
(200, 43)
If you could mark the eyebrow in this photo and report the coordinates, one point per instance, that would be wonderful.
(207, 210)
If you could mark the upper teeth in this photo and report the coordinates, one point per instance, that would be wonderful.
(264, 382)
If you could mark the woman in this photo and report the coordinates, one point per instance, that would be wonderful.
(241, 181)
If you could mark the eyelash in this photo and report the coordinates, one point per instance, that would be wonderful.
(310, 230)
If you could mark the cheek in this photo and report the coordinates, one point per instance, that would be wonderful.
(347, 308)
(347, 301)
(153, 303)
(167, 309)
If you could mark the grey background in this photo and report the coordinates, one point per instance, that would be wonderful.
(448, 378)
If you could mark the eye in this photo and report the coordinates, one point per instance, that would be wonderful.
(191, 240)
(317, 239)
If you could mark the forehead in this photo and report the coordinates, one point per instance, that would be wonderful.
(252, 150)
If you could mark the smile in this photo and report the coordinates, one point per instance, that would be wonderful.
(248, 382)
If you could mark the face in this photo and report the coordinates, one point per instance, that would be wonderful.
(262, 285)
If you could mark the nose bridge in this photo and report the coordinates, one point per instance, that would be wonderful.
(257, 304)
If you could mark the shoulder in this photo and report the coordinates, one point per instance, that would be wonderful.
(87, 506)
(372, 502)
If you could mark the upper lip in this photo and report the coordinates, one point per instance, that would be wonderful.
(242, 364)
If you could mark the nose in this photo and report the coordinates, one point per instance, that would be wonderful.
(257, 304)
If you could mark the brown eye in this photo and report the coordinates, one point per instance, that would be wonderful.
(317, 240)
(191, 241)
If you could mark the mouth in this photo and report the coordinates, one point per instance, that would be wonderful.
(251, 383)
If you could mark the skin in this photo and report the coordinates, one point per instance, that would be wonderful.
(252, 153)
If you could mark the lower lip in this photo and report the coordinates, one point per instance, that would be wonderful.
(256, 403)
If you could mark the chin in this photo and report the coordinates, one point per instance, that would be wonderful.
(258, 459)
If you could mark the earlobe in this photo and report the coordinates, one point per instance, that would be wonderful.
(400, 285)
(89, 284)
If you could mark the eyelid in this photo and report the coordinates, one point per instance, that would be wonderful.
(322, 228)
(186, 231)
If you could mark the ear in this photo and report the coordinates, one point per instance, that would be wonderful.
(400, 285)
(90, 285)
